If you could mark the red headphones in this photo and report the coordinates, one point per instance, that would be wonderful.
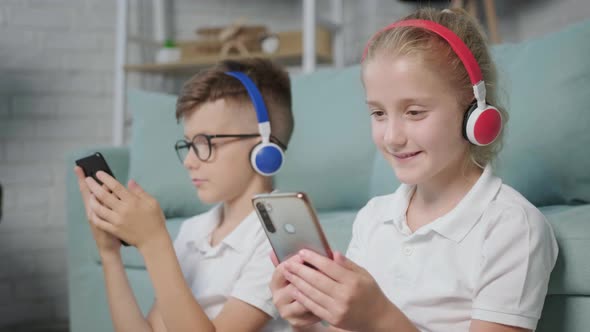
(482, 123)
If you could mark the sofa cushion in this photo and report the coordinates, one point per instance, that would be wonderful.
(565, 313)
(153, 161)
(547, 84)
(571, 226)
(332, 162)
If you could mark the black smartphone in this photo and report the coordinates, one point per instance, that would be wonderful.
(91, 165)
(94, 163)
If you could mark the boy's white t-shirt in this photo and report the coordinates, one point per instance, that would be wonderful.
(239, 266)
(488, 259)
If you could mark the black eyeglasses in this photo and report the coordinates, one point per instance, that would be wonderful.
(201, 144)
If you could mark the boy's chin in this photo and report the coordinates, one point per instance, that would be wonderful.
(207, 196)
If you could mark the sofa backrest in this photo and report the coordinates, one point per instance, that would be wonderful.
(331, 153)
(331, 156)
(545, 85)
(547, 90)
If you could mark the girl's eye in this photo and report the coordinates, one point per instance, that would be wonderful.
(415, 113)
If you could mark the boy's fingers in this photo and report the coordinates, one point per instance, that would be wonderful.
(102, 224)
(113, 185)
(79, 175)
(103, 195)
(82, 183)
(79, 172)
(135, 188)
(101, 211)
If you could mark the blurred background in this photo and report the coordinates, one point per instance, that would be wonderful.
(65, 66)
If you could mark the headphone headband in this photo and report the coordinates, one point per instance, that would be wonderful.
(266, 157)
(255, 96)
(454, 41)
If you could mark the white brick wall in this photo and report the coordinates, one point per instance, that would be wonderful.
(56, 63)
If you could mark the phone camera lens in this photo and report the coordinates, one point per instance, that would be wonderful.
(265, 218)
(268, 207)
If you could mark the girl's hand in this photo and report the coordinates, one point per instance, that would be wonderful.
(129, 214)
(105, 242)
(282, 295)
(339, 292)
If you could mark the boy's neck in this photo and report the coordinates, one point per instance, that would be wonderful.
(238, 208)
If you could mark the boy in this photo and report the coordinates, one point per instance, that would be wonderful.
(215, 275)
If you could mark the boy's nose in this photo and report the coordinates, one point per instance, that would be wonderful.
(191, 161)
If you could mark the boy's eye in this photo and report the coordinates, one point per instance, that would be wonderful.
(377, 113)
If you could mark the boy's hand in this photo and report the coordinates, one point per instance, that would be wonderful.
(282, 295)
(339, 292)
(105, 242)
(130, 214)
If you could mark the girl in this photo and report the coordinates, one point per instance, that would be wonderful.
(452, 249)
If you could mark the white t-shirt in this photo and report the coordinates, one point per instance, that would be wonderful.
(488, 259)
(239, 266)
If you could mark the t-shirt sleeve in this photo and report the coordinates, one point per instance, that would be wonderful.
(519, 252)
(252, 286)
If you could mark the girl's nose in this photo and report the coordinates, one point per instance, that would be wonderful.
(395, 133)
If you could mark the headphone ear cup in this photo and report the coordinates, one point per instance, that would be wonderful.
(472, 107)
(482, 126)
(267, 158)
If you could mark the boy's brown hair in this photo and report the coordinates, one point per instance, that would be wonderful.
(271, 80)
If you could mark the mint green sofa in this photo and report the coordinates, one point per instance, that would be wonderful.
(331, 157)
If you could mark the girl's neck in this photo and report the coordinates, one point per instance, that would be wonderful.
(454, 181)
(438, 196)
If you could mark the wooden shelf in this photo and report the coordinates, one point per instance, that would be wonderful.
(288, 54)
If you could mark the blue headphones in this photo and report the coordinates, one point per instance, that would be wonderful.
(266, 157)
